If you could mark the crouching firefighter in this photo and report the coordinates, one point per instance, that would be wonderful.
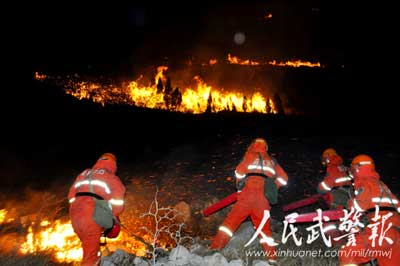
(258, 178)
(96, 201)
(379, 236)
(337, 180)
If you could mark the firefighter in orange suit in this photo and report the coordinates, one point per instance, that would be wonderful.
(98, 183)
(337, 180)
(369, 193)
(256, 175)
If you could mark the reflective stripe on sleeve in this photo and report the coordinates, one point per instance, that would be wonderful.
(239, 176)
(281, 180)
(226, 230)
(116, 202)
(325, 186)
(342, 179)
(384, 200)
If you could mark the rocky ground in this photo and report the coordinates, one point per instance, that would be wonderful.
(193, 167)
(202, 173)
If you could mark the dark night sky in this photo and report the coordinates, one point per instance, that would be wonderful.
(111, 33)
(119, 37)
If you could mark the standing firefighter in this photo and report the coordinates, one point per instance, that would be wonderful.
(337, 181)
(258, 178)
(96, 200)
(380, 237)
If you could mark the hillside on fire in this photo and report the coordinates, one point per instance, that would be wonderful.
(188, 158)
(206, 112)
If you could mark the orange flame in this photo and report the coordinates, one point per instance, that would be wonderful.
(236, 60)
(6, 216)
(296, 63)
(212, 62)
(3, 214)
(160, 73)
(200, 99)
(39, 76)
(59, 239)
(268, 16)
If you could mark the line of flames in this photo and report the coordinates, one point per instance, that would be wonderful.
(195, 100)
(247, 62)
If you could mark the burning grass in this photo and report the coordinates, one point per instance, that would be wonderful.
(195, 97)
(46, 233)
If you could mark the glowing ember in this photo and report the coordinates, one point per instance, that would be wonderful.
(39, 76)
(212, 62)
(268, 16)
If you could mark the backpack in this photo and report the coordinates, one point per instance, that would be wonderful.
(270, 190)
(102, 214)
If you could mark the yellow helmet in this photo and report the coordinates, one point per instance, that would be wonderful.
(362, 160)
(259, 142)
(326, 154)
(108, 156)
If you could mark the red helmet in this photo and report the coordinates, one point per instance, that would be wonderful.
(362, 160)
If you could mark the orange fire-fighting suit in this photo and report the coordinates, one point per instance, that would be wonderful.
(337, 182)
(255, 167)
(369, 193)
(100, 182)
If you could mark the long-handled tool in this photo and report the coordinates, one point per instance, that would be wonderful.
(327, 197)
(220, 204)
